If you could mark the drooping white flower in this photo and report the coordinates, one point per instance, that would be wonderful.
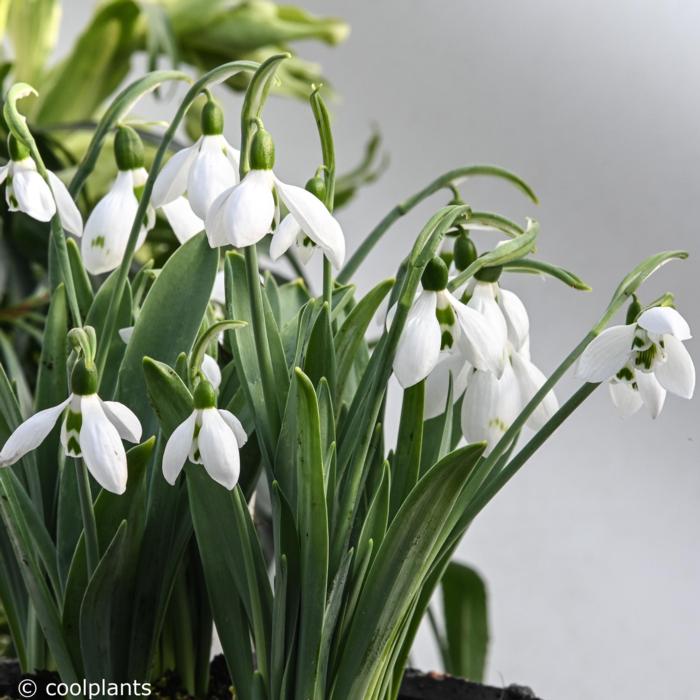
(183, 221)
(200, 172)
(437, 322)
(490, 404)
(243, 215)
(28, 192)
(91, 428)
(642, 361)
(437, 384)
(210, 436)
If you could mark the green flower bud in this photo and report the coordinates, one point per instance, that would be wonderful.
(434, 277)
(317, 187)
(633, 310)
(18, 150)
(262, 151)
(83, 380)
(464, 252)
(128, 149)
(489, 274)
(204, 395)
(447, 257)
(212, 119)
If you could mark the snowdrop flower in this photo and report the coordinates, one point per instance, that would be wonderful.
(291, 232)
(183, 221)
(91, 428)
(201, 171)
(437, 322)
(28, 192)
(642, 361)
(243, 215)
(109, 224)
(210, 436)
(491, 404)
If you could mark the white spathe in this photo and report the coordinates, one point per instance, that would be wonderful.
(201, 172)
(28, 192)
(91, 428)
(210, 437)
(109, 224)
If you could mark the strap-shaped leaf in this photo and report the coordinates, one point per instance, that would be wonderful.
(398, 570)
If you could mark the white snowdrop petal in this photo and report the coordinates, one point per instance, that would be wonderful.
(101, 447)
(183, 221)
(218, 292)
(625, 398)
(171, 182)
(516, 317)
(178, 448)
(218, 449)
(123, 419)
(661, 320)
(315, 220)
(419, 346)
(30, 434)
(530, 380)
(437, 384)
(68, 212)
(481, 344)
(109, 225)
(33, 195)
(483, 300)
(651, 392)
(677, 374)
(4, 171)
(248, 211)
(235, 425)
(211, 174)
(284, 237)
(126, 333)
(489, 406)
(607, 354)
(215, 223)
(211, 370)
(233, 154)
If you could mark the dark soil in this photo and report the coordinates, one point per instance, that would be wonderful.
(415, 686)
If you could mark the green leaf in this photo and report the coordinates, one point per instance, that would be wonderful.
(375, 522)
(97, 317)
(398, 570)
(405, 465)
(313, 536)
(645, 269)
(83, 288)
(319, 359)
(96, 611)
(169, 320)
(351, 334)
(466, 622)
(99, 61)
(541, 267)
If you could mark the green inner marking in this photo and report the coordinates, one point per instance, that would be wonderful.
(98, 242)
(74, 422)
(646, 357)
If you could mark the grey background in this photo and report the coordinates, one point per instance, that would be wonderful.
(591, 552)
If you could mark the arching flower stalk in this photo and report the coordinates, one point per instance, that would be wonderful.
(28, 192)
(243, 215)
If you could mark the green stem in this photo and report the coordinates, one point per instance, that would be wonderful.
(328, 283)
(221, 73)
(444, 181)
(92, 551)
(58, 239)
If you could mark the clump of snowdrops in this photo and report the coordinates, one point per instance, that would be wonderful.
(245, 395)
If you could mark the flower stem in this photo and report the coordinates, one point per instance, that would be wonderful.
(58, 240)
(92, 550)
(327, 283)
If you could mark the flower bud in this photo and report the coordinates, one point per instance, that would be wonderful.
(128, 149)
(633, 310)
(317, 187)
(262, 151)
(489, 274)
(18, 150)
(212, 119)
(204, 395)
(434, 277)
(83, 380)
(464, 252)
